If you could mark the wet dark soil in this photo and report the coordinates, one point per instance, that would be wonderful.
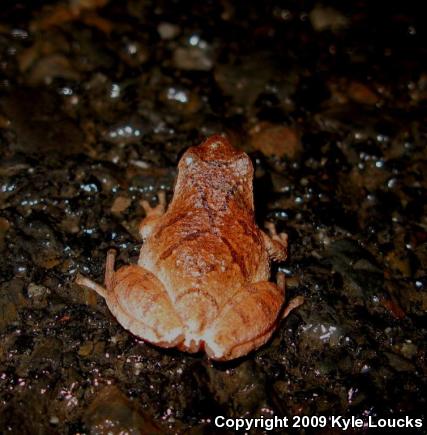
(98, 99)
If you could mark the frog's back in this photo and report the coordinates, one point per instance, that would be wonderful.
(207, 241)
(213, 253)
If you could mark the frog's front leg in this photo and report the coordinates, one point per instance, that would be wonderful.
(152, 215)
(140, 303)
(276, 243)
(246, 322)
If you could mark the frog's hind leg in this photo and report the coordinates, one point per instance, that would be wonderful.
(246, 323)
(109, 277)
(141, 304)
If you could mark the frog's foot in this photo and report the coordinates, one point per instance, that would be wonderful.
(276, 243)
(86, 282)
(293, 303)
(152, 214)
(109, 277)
(159, 209)
(246, 323)
(141, 304)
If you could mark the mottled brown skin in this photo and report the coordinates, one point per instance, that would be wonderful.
(201, 282)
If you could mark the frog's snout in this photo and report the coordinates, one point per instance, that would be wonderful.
(216, 148)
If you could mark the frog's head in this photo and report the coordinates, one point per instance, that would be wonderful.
(216, 167)
(217, 155)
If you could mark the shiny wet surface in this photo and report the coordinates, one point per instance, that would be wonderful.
(98, 100)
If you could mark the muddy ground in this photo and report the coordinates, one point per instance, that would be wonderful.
(98, 99)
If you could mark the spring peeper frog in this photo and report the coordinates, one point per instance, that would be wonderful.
(201, 282)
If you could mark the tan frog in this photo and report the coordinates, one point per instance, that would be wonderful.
(201, 282)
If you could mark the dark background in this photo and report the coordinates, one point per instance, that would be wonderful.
(98, 100)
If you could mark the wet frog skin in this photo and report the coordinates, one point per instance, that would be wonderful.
(201, 282)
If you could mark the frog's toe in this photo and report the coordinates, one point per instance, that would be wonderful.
(141, 304)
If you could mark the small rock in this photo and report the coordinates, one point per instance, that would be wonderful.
(250, 76)
(70, 224)
(398, 363)
(38, 295)
(276, 140)
(408, 350)
(399, 262)
(50, 67)
(47, 355)
(37, 291)
(54, 420)
(4, 227)
(392, 307)
(242, 387)
(326, 18)
(120, 204)
(134, 53)
(39, 124)
(11, 300)
(8, 314)
(181, 99)
(107, 180)
(125, 132)
(363, 279)
(362, 94)
(111, 412)
(195, 56)
(86, 349)
(168, 30)
(419, 91)
(44, 247)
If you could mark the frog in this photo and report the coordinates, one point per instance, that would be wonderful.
(201, 282)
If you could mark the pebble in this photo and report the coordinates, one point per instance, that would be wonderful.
(168, 30)
(11, 302)
(327, 18)
(120, 204)
(197, 56)
(32, 112)
(4, 227)
(111, 412)
(276, 140)
(181, 100)
(361, 93)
